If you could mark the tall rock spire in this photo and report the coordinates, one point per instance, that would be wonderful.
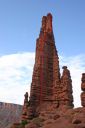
(46, 73)
(48, 87)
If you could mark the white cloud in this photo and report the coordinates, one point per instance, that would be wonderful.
(16, 75)
(76, 65)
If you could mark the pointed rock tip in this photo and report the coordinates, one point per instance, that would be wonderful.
(64, 67)
(83, 74)
(49, 15)
(44, 18)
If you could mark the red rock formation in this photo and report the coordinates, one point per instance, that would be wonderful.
(47, 86)
(83, 89)
(51, 99)
(25, 108)
(46, 74)
(66, 97)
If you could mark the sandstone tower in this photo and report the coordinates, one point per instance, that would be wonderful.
(48, 87)
(50, 104)
(83, 89)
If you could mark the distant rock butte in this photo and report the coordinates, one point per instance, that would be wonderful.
(9, 113)
(50, 103)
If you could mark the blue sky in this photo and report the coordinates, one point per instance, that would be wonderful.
(20, 22)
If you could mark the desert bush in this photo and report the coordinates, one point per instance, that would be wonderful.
(38, 121)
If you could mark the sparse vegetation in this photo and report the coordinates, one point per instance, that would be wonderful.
(38, 121)
(24, 122)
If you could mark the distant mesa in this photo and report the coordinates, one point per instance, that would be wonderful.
(9, 113)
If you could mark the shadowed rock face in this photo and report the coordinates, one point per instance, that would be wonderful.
(9, 113)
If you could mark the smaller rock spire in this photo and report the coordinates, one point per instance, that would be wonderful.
(83, 89)
(25, 107)
(66, 97)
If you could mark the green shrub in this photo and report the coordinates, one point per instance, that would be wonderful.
(24, 122)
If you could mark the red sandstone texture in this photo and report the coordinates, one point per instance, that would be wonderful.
(51, 101)
(47, 85)
(25, 107)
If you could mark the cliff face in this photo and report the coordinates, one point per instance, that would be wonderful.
(9, 113)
